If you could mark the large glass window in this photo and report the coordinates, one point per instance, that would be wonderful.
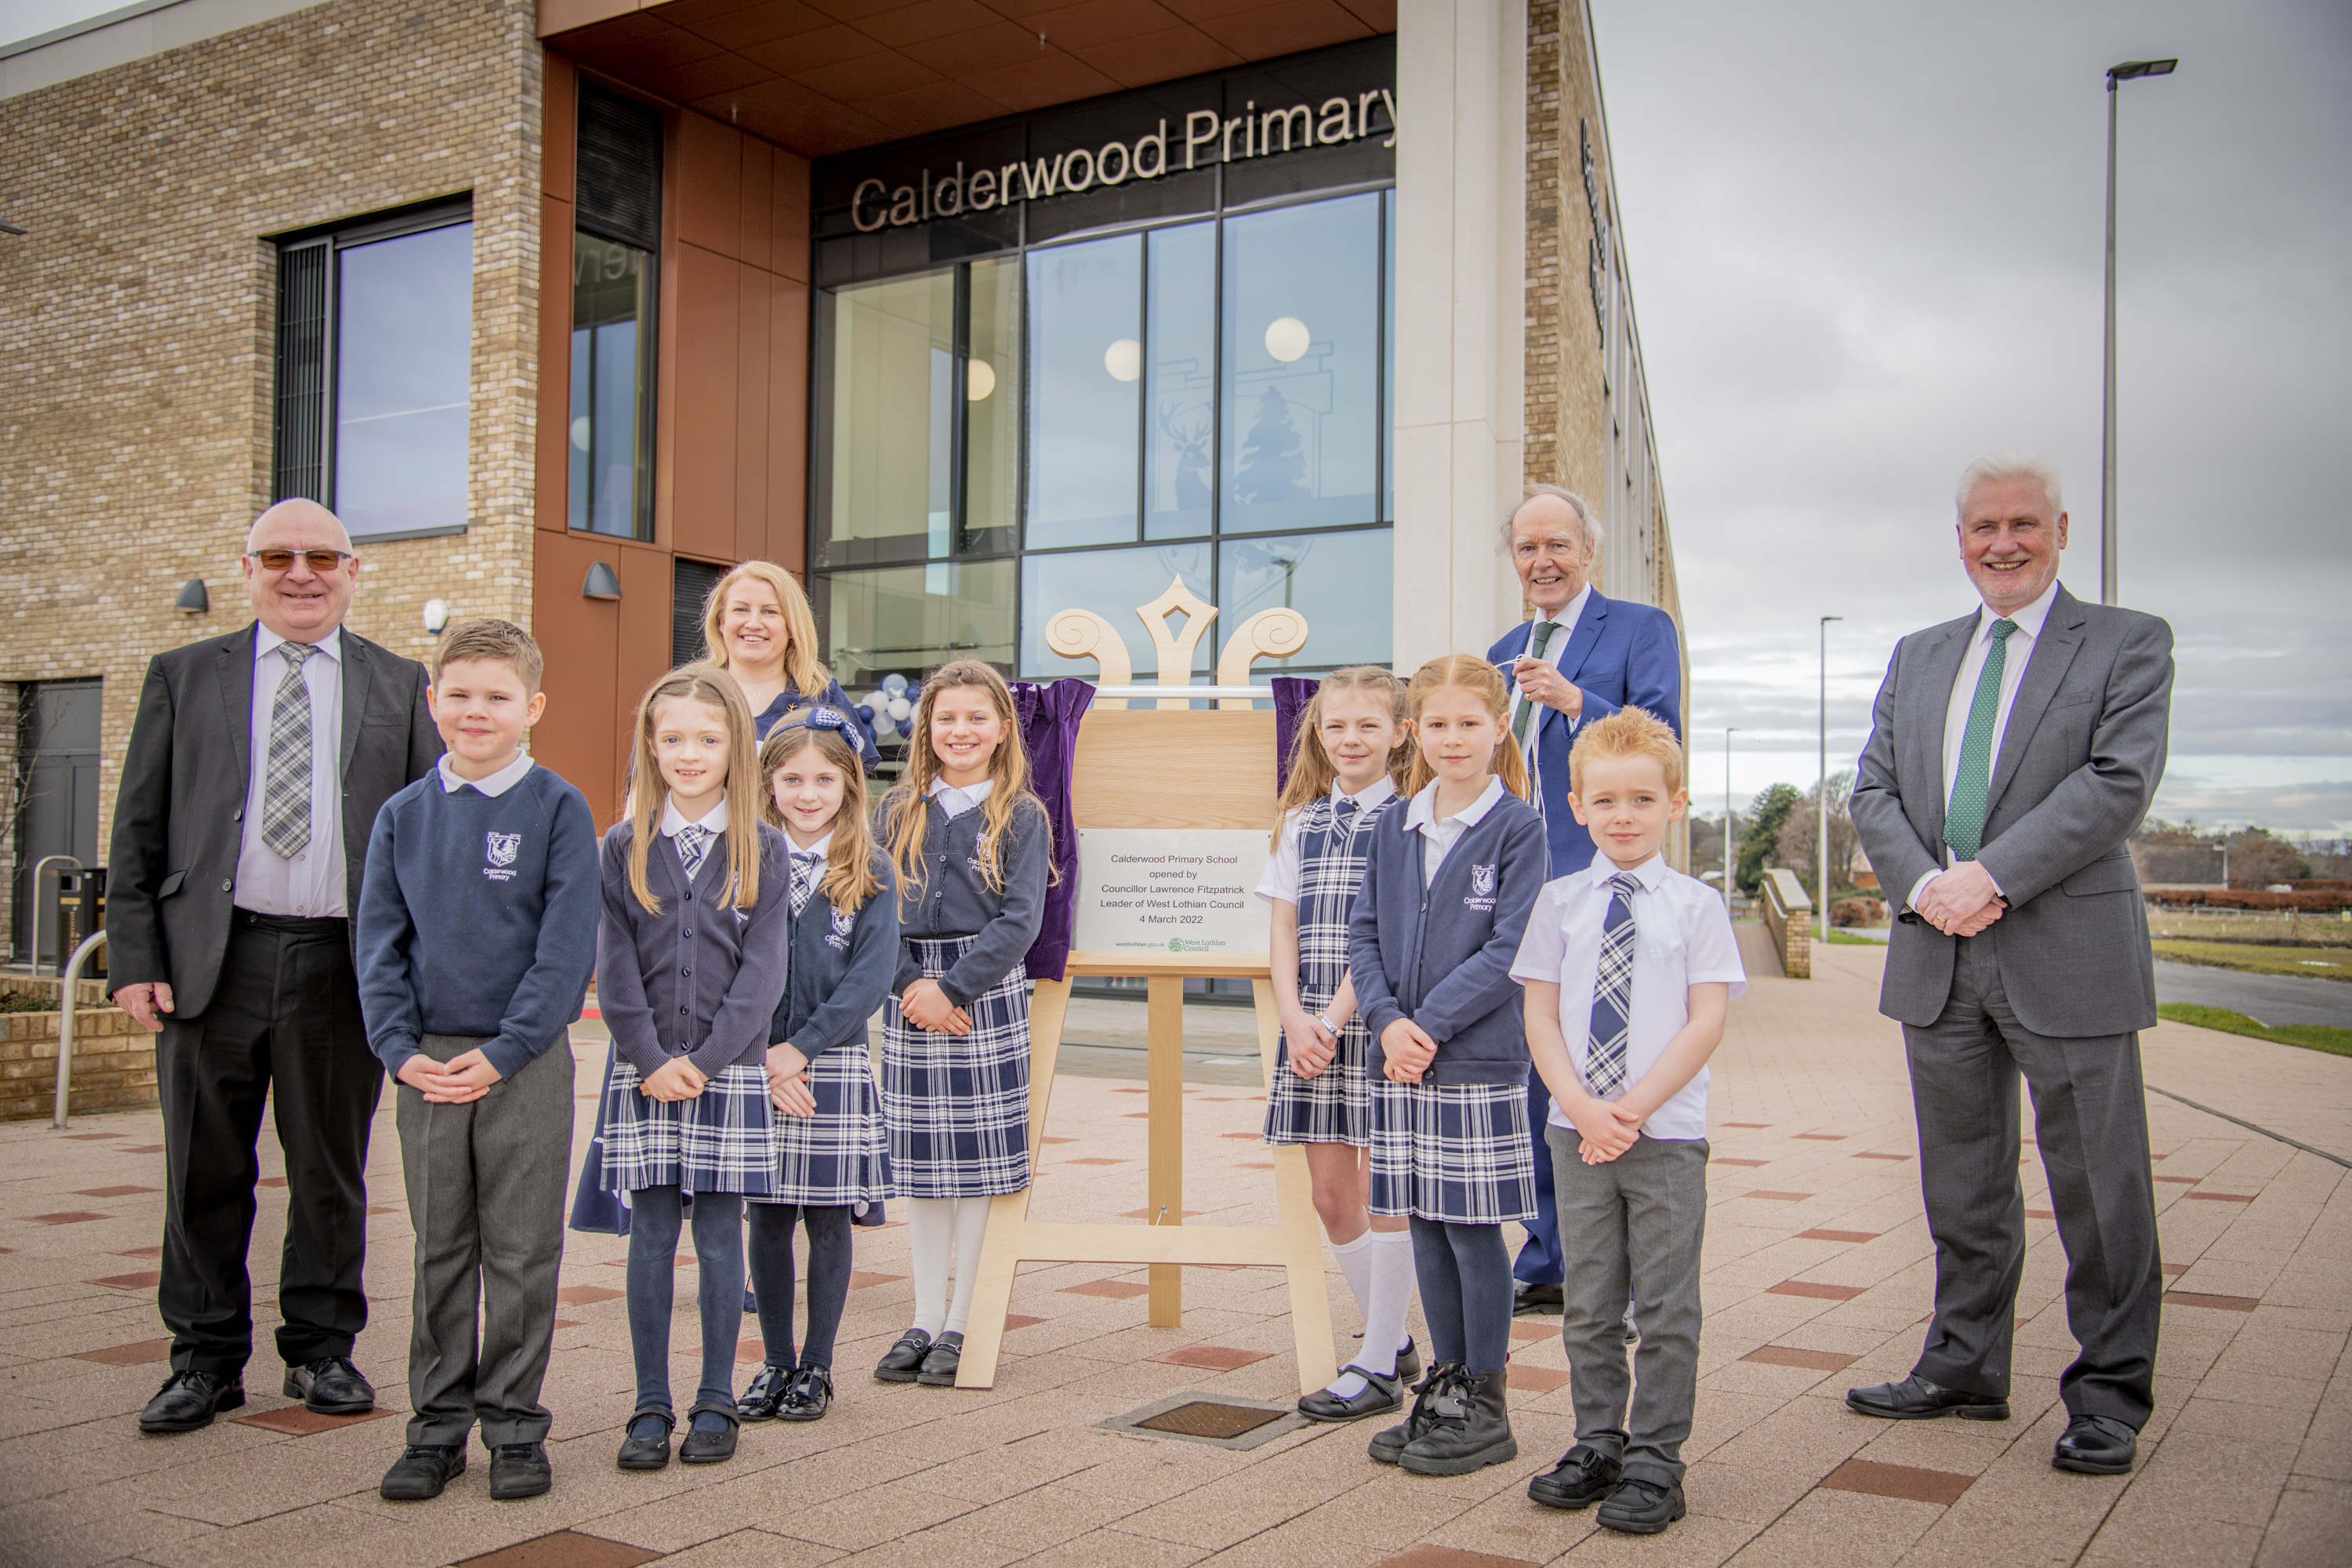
(1183, 394)
(1086, 359)
(907, 619)
(612, 312)
(375, 325)
(893, 408)
(1110, 582)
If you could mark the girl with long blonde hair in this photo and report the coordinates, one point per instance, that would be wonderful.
(757, 626)
(973, 848)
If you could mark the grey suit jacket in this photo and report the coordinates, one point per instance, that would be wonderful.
(2078, 767)
(178, 818)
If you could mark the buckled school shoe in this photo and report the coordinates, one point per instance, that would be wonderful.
(903, 1361)
(940, 1364)
(1377, 1397)
(701, 1447)
(808, 1396)
(646, 1453)
(759, 1402)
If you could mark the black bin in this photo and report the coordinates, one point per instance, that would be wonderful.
(79, 909)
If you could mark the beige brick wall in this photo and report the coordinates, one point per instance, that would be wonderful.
(135, 391)
(1564, 413)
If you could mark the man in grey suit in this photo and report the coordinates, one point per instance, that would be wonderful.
(2011, 753)
(256, 765)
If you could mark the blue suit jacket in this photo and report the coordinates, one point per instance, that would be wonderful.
(1623, 656)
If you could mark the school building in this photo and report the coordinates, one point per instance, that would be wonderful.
(965, 310)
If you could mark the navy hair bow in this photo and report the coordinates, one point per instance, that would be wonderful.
(817, 716)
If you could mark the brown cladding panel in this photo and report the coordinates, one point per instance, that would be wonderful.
(559, 127)
(754, 193)
(708, 170)
(790, 238)
(580, 639)
(645, 642)
(706, 329)
(787, 443)
(552, 464)
(755, 303)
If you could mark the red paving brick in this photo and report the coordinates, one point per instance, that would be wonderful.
(1430, 1555)
(1212, 1358)
(146, 1281)
(1874, 1154)
(67, 1216)
(1527, 1379)
(1941, 1488)
(564, 1549)
(1724, 1160)
(138, 1354)
(2219, 1303)
(2224, 1197)
(1838, 1235)
(859, 1279)
(1817, 1292)
(1777, 1197)
(584, 1295)
(298, 1422)
(1790, 1355)
(111, 1192)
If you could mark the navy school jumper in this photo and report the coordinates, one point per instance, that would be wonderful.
(699, 979)
(1440, 954)
(841, 967)
(955, 901)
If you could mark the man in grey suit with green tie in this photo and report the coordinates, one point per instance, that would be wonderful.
(2011, 753)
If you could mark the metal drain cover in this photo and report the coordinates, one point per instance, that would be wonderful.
(1207, 1418)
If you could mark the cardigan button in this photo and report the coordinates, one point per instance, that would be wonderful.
(687, 972)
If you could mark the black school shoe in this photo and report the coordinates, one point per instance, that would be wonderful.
(421, 1471)
(1537, 1300)
(808, 1396)
(1379, 1397)
(1408, 1362)
(940, 1364)
(701, 1447)
(1388, 1446)
(646, 1453)
(330, 1385)
(519, 1470)
(759, 1402)
(188, 1400)
(1582, 1477)
(1638, 1507)
(904, 1361)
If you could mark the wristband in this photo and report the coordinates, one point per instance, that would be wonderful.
(1330, 1027)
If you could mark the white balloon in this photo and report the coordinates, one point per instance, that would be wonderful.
(1287, 338)
(1124, 360)
(879, 700)
(883, 728)
(900, 708)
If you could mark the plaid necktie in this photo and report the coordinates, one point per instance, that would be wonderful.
(1972, 784)
(286, 776)
(693, 842)
(1343, 814)
(1528, 706)
(1612, 991)
(804, 878)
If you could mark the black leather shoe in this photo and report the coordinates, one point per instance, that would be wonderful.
(1639, 1506)
(939, 1364)
(1917, 1399)
(1582, 1477)
(421, 1471)
(903, 1361)
(519, 1470)
(1408, 1361)
(2096, 1445)
(767, 1391)
(330, 1385)
(1470, 1427)
(1377, 1397)
(189, 1400)
(1535, 1300)
(700, 1447)
(1388, 1446)
(809, 1395)
(646, 1453)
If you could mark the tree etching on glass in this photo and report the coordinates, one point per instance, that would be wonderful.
(1273, 466)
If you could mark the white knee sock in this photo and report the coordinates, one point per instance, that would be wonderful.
(1356, 1262)
(931, 1233)
(1393, 1282)
(970, 1230)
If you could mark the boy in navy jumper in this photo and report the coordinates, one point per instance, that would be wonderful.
(477, 938)
(1629, 967)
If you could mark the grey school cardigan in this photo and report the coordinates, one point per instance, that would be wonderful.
(952, 899)
(700, 978)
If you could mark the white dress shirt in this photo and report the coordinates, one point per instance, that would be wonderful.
(496, 784)
(1421, 817)
(1682, 938)
(819, 850)
(314, 883)
(1566, 617)
(672, 819)
(957, 799)
(2014, 656)
(1281, 877)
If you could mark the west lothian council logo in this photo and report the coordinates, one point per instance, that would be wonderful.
(1482, 880)
(503, 847)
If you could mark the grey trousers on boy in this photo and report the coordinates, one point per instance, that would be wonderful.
(1634, 1227)
(486, 1183)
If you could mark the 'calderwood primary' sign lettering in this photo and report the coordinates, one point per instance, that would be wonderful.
(1205, 140)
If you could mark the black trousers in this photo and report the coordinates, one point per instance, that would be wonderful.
(2090, 1117)
(283, 1027)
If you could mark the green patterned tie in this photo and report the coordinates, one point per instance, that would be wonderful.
(1528, 706)
(1972, 785)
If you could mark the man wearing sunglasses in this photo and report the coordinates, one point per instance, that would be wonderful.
(256, 765)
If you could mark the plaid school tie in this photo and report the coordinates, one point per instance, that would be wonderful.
(693, 842)
(286, 776)
(804, 879)
(1972, 784)
(1612, 991)
(1528, 706)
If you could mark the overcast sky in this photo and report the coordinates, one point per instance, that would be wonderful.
(1865, 246)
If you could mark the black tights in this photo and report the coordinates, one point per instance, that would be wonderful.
(830, 1251)
(1465, 1291)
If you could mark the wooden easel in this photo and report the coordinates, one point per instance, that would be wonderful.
(1164, 767)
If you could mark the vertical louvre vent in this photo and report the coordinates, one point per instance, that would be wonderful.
(298, 467)
(689, 590)
(620, 168)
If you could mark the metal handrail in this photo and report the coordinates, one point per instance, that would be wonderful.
(65, 1024)
(40, 869)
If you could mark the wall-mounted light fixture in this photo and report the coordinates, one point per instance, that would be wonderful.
(603, 583)
(437, 615)
(193, 598)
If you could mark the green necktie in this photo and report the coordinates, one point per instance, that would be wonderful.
(1528, 706)
(1972, 785)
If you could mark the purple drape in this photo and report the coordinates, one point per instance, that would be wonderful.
(1049, 719)
(1292, 693)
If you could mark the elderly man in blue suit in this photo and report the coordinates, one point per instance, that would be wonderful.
(1583, 657)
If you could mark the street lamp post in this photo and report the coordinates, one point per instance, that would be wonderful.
(2110, 565)
(1821, 805)
(1730, 822)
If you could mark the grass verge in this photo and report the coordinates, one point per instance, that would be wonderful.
(2311, 962)
(1839, 938)
(2311, 1037)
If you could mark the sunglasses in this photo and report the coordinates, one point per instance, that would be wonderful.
(320, 560)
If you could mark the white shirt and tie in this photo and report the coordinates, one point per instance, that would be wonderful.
(313, 881)
(1563, 623)
(2019, 652)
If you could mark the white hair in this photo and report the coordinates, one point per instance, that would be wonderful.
(1575, 504)
(1995, 467)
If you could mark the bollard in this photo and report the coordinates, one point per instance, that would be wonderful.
(65, 1024)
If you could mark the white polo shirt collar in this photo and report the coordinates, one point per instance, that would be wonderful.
(496, 784)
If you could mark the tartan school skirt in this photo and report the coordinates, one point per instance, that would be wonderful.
(1335, 1106)
(837, 1156)
(721, 1141)
(956, 1106)
(1452, 1151)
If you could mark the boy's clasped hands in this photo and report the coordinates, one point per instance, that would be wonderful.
(465, 1077)
(1608, 1127)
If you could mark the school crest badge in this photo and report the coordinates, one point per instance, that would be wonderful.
(1482, 880)
(503, 847)
(843, 922)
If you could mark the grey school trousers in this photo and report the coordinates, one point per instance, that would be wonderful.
(1632, 1229)
(485, 1184)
